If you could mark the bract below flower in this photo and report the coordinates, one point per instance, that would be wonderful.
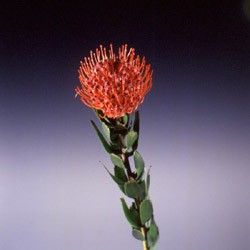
(114, 84)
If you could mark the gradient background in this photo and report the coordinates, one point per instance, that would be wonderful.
(54, 192)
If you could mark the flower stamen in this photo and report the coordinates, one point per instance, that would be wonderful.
(115, 84)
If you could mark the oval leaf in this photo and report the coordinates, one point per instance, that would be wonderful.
(148, 181)
(132, 189)
(138, 234)
(143, 190)
(106, 130)
(153, 234)
(120, 174)
(131, 215)
(139, 164)
(125, 119)
(130, 139)
(117, 161)
(146, 211)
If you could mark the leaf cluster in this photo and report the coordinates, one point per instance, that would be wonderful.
(120, 138)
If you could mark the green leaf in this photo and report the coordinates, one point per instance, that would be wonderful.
(125, 119)
(148, 181)
(117, 161)
(146, 211)
(106, 130)
(139, 164)
(130, 139)
(138, 234)
(133, 189)
(131, 214)
(143, 190)
(102, 139)
(136, 128)
(153, 234)
(116, 179)
(122, 188)
(120, 174)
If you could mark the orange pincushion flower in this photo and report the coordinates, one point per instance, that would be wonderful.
(115, 84)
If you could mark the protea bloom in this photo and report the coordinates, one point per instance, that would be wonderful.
(114, 84)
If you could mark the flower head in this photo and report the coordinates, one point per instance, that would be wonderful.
(114, 84)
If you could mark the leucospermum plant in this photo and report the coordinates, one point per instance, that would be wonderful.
(114, 85)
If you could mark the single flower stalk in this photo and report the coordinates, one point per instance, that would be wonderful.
(114, 86)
